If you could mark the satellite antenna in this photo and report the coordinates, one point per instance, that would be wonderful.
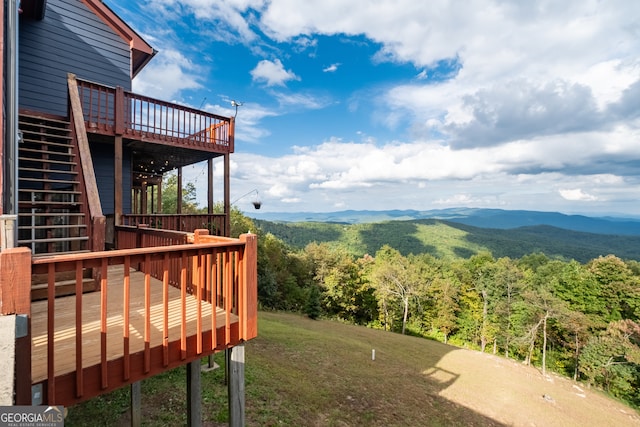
(235, 104)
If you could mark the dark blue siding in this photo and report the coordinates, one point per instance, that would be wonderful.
(70, 39)
(103, 158)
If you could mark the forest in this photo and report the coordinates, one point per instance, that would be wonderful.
(579, 318)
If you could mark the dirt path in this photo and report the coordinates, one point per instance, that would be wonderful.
(519, 395)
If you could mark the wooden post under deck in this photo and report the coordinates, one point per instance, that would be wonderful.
(179, 192)
(136, 404)
(194, 394)
(210, 186)
(236, 386)
(227, 199)
(143, 198)
(117, 180)
(159, 202)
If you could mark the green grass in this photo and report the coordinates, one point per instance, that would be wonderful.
(301, 372)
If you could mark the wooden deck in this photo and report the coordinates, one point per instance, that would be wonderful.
(65, 323)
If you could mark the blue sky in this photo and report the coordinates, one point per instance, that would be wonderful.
(406, 104)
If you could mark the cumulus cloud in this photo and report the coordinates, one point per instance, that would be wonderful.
(249, 127)
(539, 95)
(331, 68)
(339, 174)
(304, 100)
(518, 111)
(167, 75)
(525, 69)
(228, 19)
(576, 194)
(272, 73)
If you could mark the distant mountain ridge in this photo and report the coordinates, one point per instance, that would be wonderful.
(482, 218)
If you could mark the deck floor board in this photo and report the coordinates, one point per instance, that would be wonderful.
(65, 323)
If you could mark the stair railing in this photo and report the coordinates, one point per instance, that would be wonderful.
(97, 222)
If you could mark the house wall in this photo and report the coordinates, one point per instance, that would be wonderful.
(103, 165)
(70, 38)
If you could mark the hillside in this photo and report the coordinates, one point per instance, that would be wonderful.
(484, 218)
(301, 372)
(449, 239)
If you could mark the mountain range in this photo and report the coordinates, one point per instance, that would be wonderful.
(476, 217)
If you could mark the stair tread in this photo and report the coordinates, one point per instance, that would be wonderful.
(34, 136)
(45, 227)
(49, 181)
(49, 152)
(27, 140)
(54, 240)
(43, 190)
(28, 204)
(25, 117)
(50, 171)
(51, 161)
(42, 214)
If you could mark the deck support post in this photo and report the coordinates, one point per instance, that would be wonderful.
(236, 386)
(210, 186)
(194, 394)
(159, 202)
(179, 192)
(136, 404)
(227, 196)
(143, 198)
(117, 177)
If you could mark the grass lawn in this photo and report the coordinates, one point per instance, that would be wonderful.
(301, 372)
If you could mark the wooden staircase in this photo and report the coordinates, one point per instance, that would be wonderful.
(51, 215)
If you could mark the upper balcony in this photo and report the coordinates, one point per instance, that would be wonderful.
(162, 135)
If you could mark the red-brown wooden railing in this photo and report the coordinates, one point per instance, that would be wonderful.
(178, 222)
(213, 268)
(94, 219)
(115, 111)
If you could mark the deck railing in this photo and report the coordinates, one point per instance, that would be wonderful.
(178, 222)
(115, 111)
(212, 269)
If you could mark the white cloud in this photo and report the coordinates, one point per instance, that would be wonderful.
(272, 73)
(298, 99)
(303, 43)
(227, 18)
(542, 104)
(570, 59)
(428, 175)
(169, 73)
(576, 194)
(331, 68)
(248, 119)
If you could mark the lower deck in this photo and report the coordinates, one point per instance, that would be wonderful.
(161, 304)
(128, 338)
